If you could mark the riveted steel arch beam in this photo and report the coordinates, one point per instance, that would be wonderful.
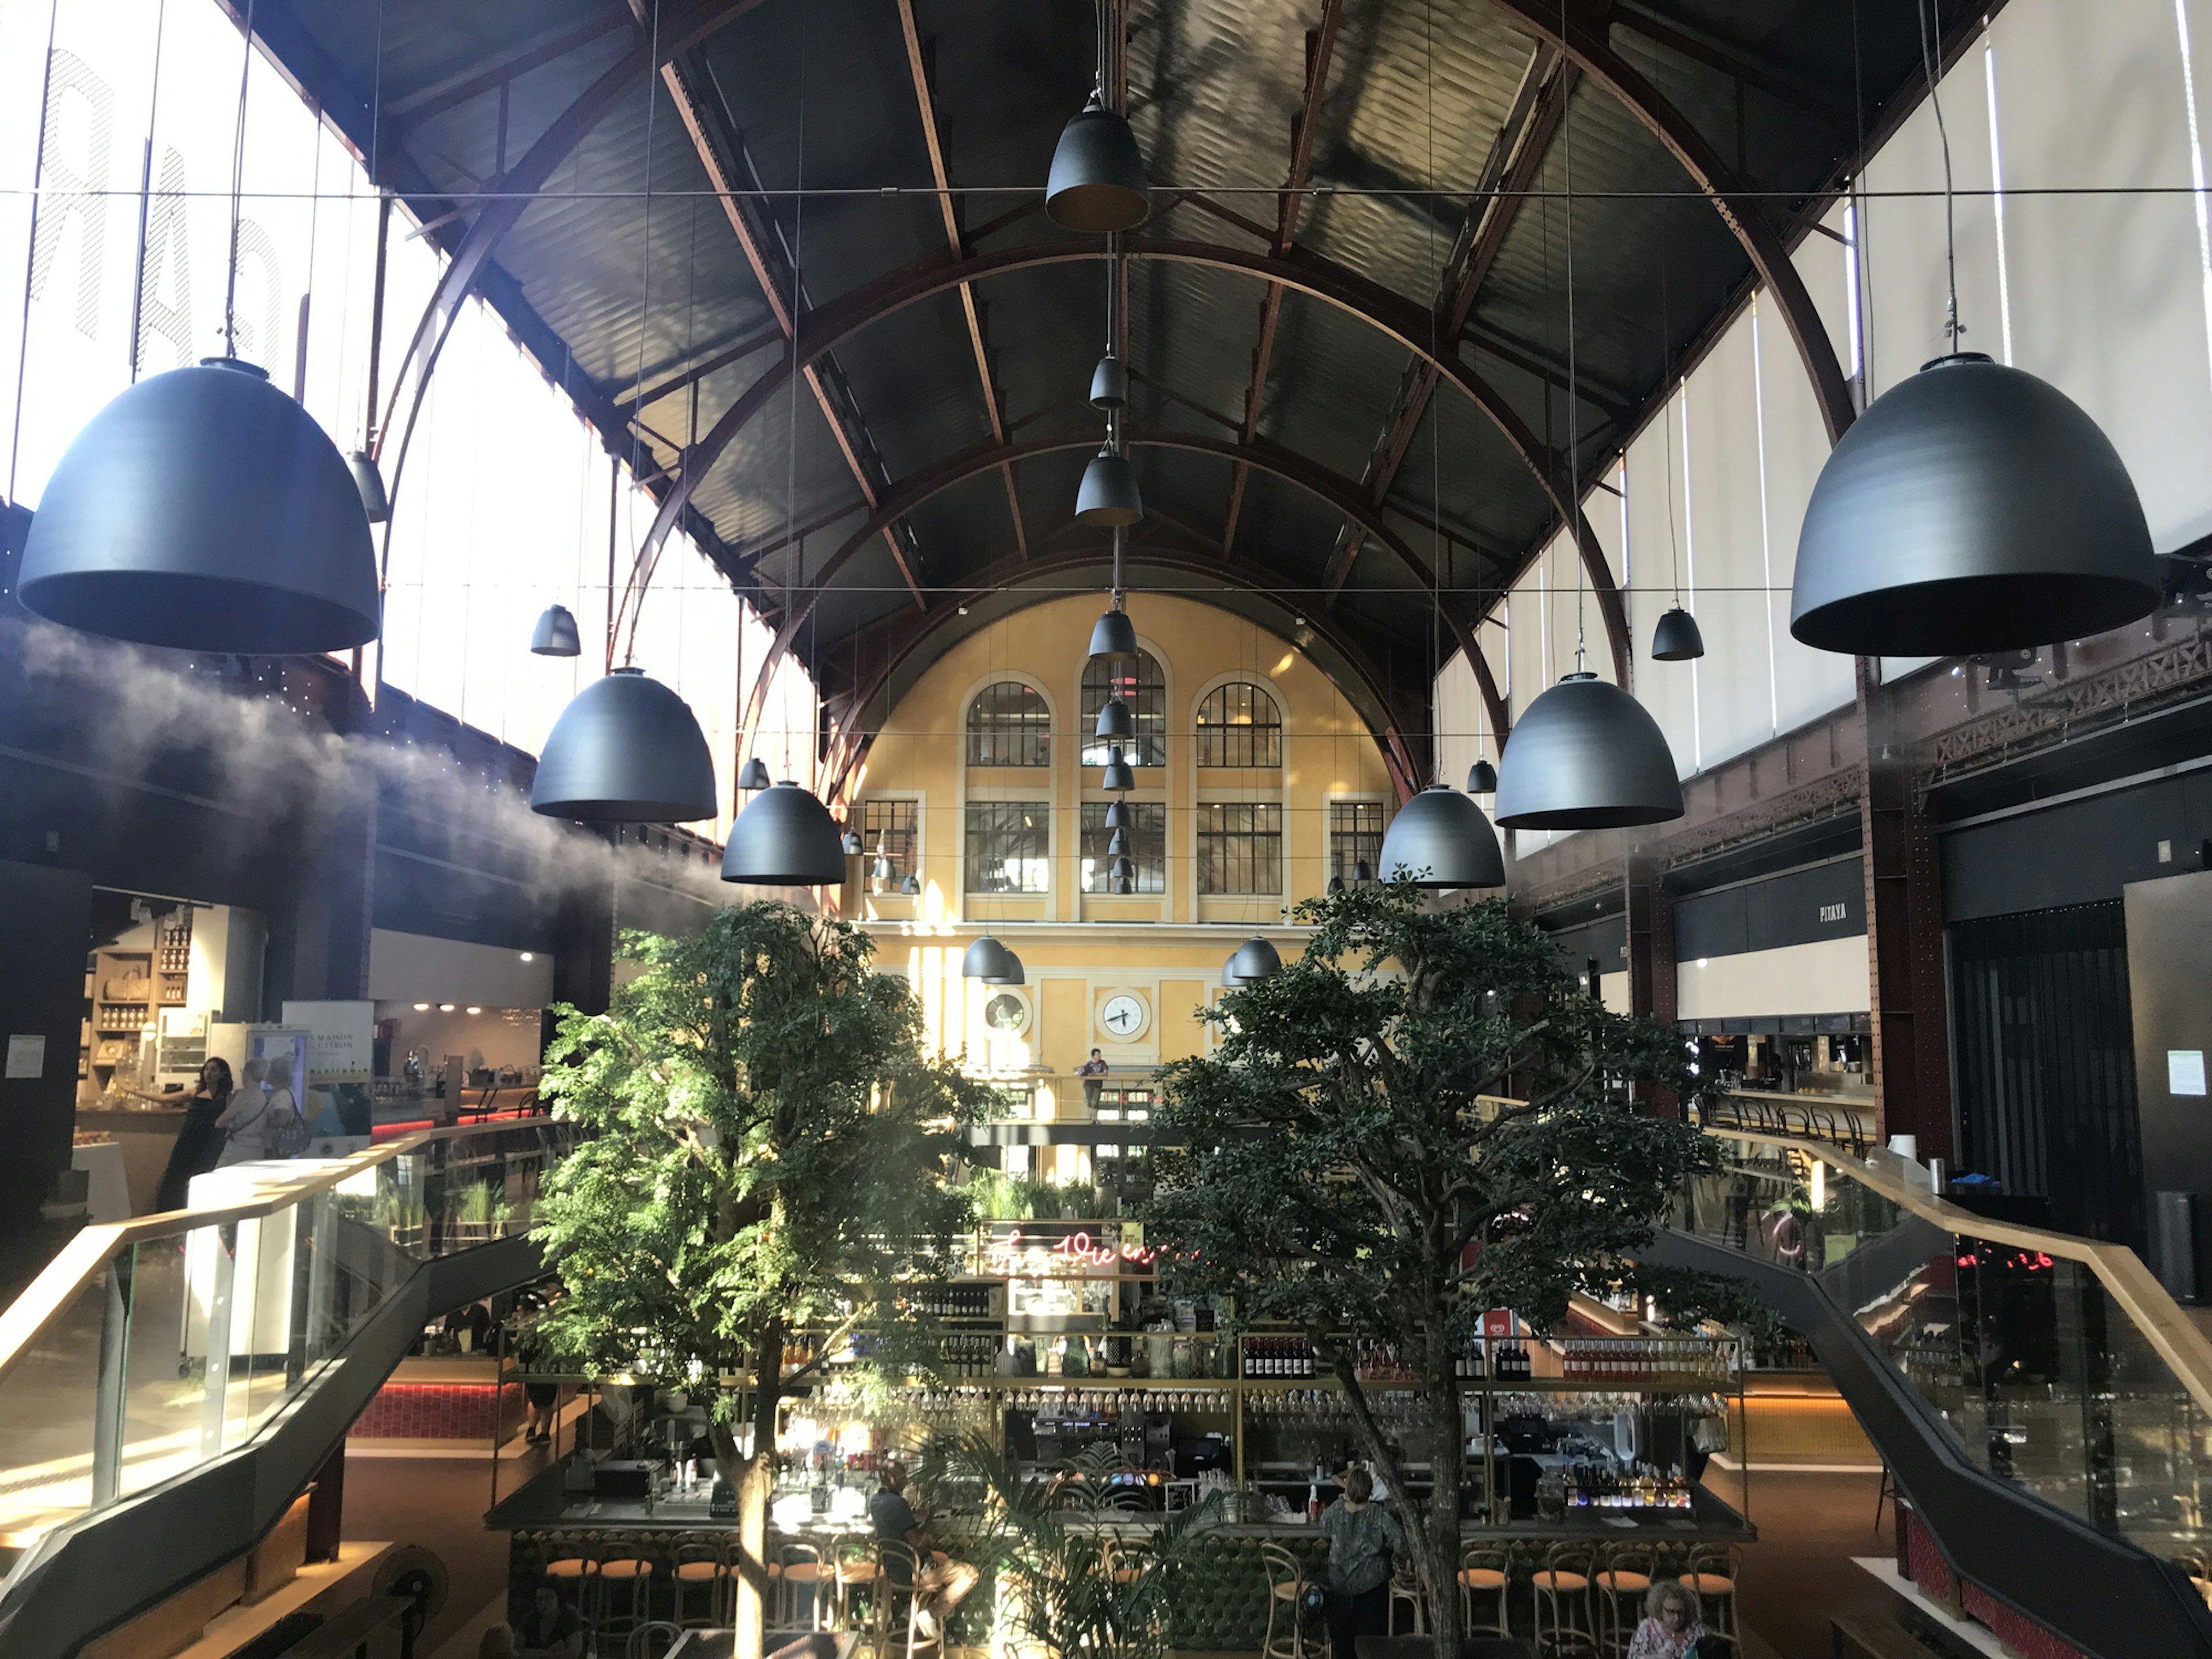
(1579, 29)
(912, 632)
(1341, 493)
(682, 25)
(1407, 322)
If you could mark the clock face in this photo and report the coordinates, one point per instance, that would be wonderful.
(1123, 1016)
(1006, 1013)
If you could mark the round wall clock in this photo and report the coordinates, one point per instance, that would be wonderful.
(1006, 1013)
(1124, 1017)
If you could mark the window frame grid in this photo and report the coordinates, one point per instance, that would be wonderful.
(1239, 840)
(1094, 866)
(1038, 833)
(1145, 690)
(902, 841)
(1355, 839)
(997, 725)
(1258, 736)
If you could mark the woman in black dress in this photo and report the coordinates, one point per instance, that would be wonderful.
(199, 1143)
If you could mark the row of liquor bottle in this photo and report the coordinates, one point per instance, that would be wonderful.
(1636, 1487)
(969, 1356)
(1292, 1358)
(1629, 1358)
(954, 1301)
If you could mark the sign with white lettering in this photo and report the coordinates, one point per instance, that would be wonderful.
(2185, 1071)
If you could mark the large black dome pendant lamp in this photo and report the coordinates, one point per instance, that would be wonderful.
(1097, 183)
(991, 961)
(1441, 839)
(785, 838)
(1973, 508)
(1586, 756)
(1254, 959)
(203, 510)
(626, 749)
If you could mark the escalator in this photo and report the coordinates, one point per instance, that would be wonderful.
(171, 1384)
(2040, 1401)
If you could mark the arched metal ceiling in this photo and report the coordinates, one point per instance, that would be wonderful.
(1367, 196)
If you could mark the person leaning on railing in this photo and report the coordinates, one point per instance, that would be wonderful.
(199, 1140)
(1092, 1071)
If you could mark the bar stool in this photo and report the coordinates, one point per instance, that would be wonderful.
(1562, 1588)
(898, 1570)
(1626, 1574)
(696, 1559)
(572, 1562)
(853, 1555)
(1406, 1587)
(651, 1640)
(1124, 1560)
(1483, 1572)
(800, 1567)
(1286, 1588)
(624, 1569)
(1712, 1577)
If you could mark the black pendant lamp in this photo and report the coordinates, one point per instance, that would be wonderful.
(1230, 979)
(753, 775)
(204, 510)
(1113, 638)
(1255, 959)
(1118, 815)
(1362, 872)
(1108, 495)
(852, 845)
(1124, 869)
(1109, 384)
(1482, 779)
(556, 633)
(1336, 884)
(785, 838)
(1441, 839)
(1676, 639)
(1974, 508)
(1587, 756)
(1114, 721)
(375, 504)
(881, 870)
(987, 960)
(1118, 778)
(1118, 842)
(1097, 181)
(626, 749)
(1125, 885)
(912, 886)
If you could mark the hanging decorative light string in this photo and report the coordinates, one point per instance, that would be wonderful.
(1973, 508)
(203, 509)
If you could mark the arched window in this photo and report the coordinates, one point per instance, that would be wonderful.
(1145, 688)
(1239, 724)
(1008, 724)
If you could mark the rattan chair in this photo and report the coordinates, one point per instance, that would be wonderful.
(1483, 1572)
(1562, 1587)
(898, 1568)
(1617, 1593)
(1286, 1588)
(802, 1572)
(1712, 1576)
(698, 1568)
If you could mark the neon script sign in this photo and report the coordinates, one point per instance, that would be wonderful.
(1076, 1247)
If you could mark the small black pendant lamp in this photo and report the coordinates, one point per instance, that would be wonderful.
(1587, 756)
(1108, 495)
(1482, 779)
(374, 503)
(556, 633)
(1255, 959)
(1113, 639)
(1118, 778)
(1114, 721)
(912, 886)
(1973, 508)
(753, 775)
(1362, 872)
(1676, 639)
(882, 871)
(204, 510)
(626, 749)
(1118, 842)
(1441, 839)
(1336, 884)
(1230, 979)
(1109, 382)
(852, 845)
(1097, 183)
(785, 838)
(1118, 815)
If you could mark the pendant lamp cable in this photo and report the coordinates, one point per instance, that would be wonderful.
(640, 579)
(1929, 33)
(1667, 381)
(146, 204)
(791, 417)
(1574, 430)
(237, 194)
(30, 261)
(1435, 456)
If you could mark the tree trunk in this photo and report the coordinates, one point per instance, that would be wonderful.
(1438, 1553)
(753, 1479)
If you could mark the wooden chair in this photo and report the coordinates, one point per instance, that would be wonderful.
(853, 1555)
(1287, 1586)
(1562, 1586)
(1712, 1576)
(1483, 1572)
(572, 1562)
(800, 1570)
(625, 1586)
(898, 1567)
(699, 1567)
(1406, 1588)
(651, 1640)
(1617, 1593)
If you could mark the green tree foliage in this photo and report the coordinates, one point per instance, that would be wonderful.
(767, 1157)
(1424, 1117)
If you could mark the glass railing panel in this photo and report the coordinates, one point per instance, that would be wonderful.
(2151, 1442)
(47, 1402)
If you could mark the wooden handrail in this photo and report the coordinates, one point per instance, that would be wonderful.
(2126, 1279)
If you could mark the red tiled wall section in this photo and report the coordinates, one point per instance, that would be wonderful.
(436, 1411)
(1933, 1574)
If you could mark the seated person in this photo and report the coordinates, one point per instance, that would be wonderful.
(551, 1629)
(940, 1584)
(1672, 1627)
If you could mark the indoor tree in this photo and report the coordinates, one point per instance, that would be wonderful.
(766, 1158)
(1424, 1116)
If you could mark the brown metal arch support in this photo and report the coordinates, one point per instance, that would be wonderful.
(1405, 321)
(917, 630)
(1341, 493)
(1585, 40)
(681, 26)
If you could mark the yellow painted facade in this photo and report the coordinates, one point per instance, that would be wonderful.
(1163, 953)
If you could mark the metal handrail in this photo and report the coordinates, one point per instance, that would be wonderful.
(86, 1256)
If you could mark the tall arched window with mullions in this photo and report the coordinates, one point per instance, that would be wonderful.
(1009, 724)
(1145, 688)
(1239, 724)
